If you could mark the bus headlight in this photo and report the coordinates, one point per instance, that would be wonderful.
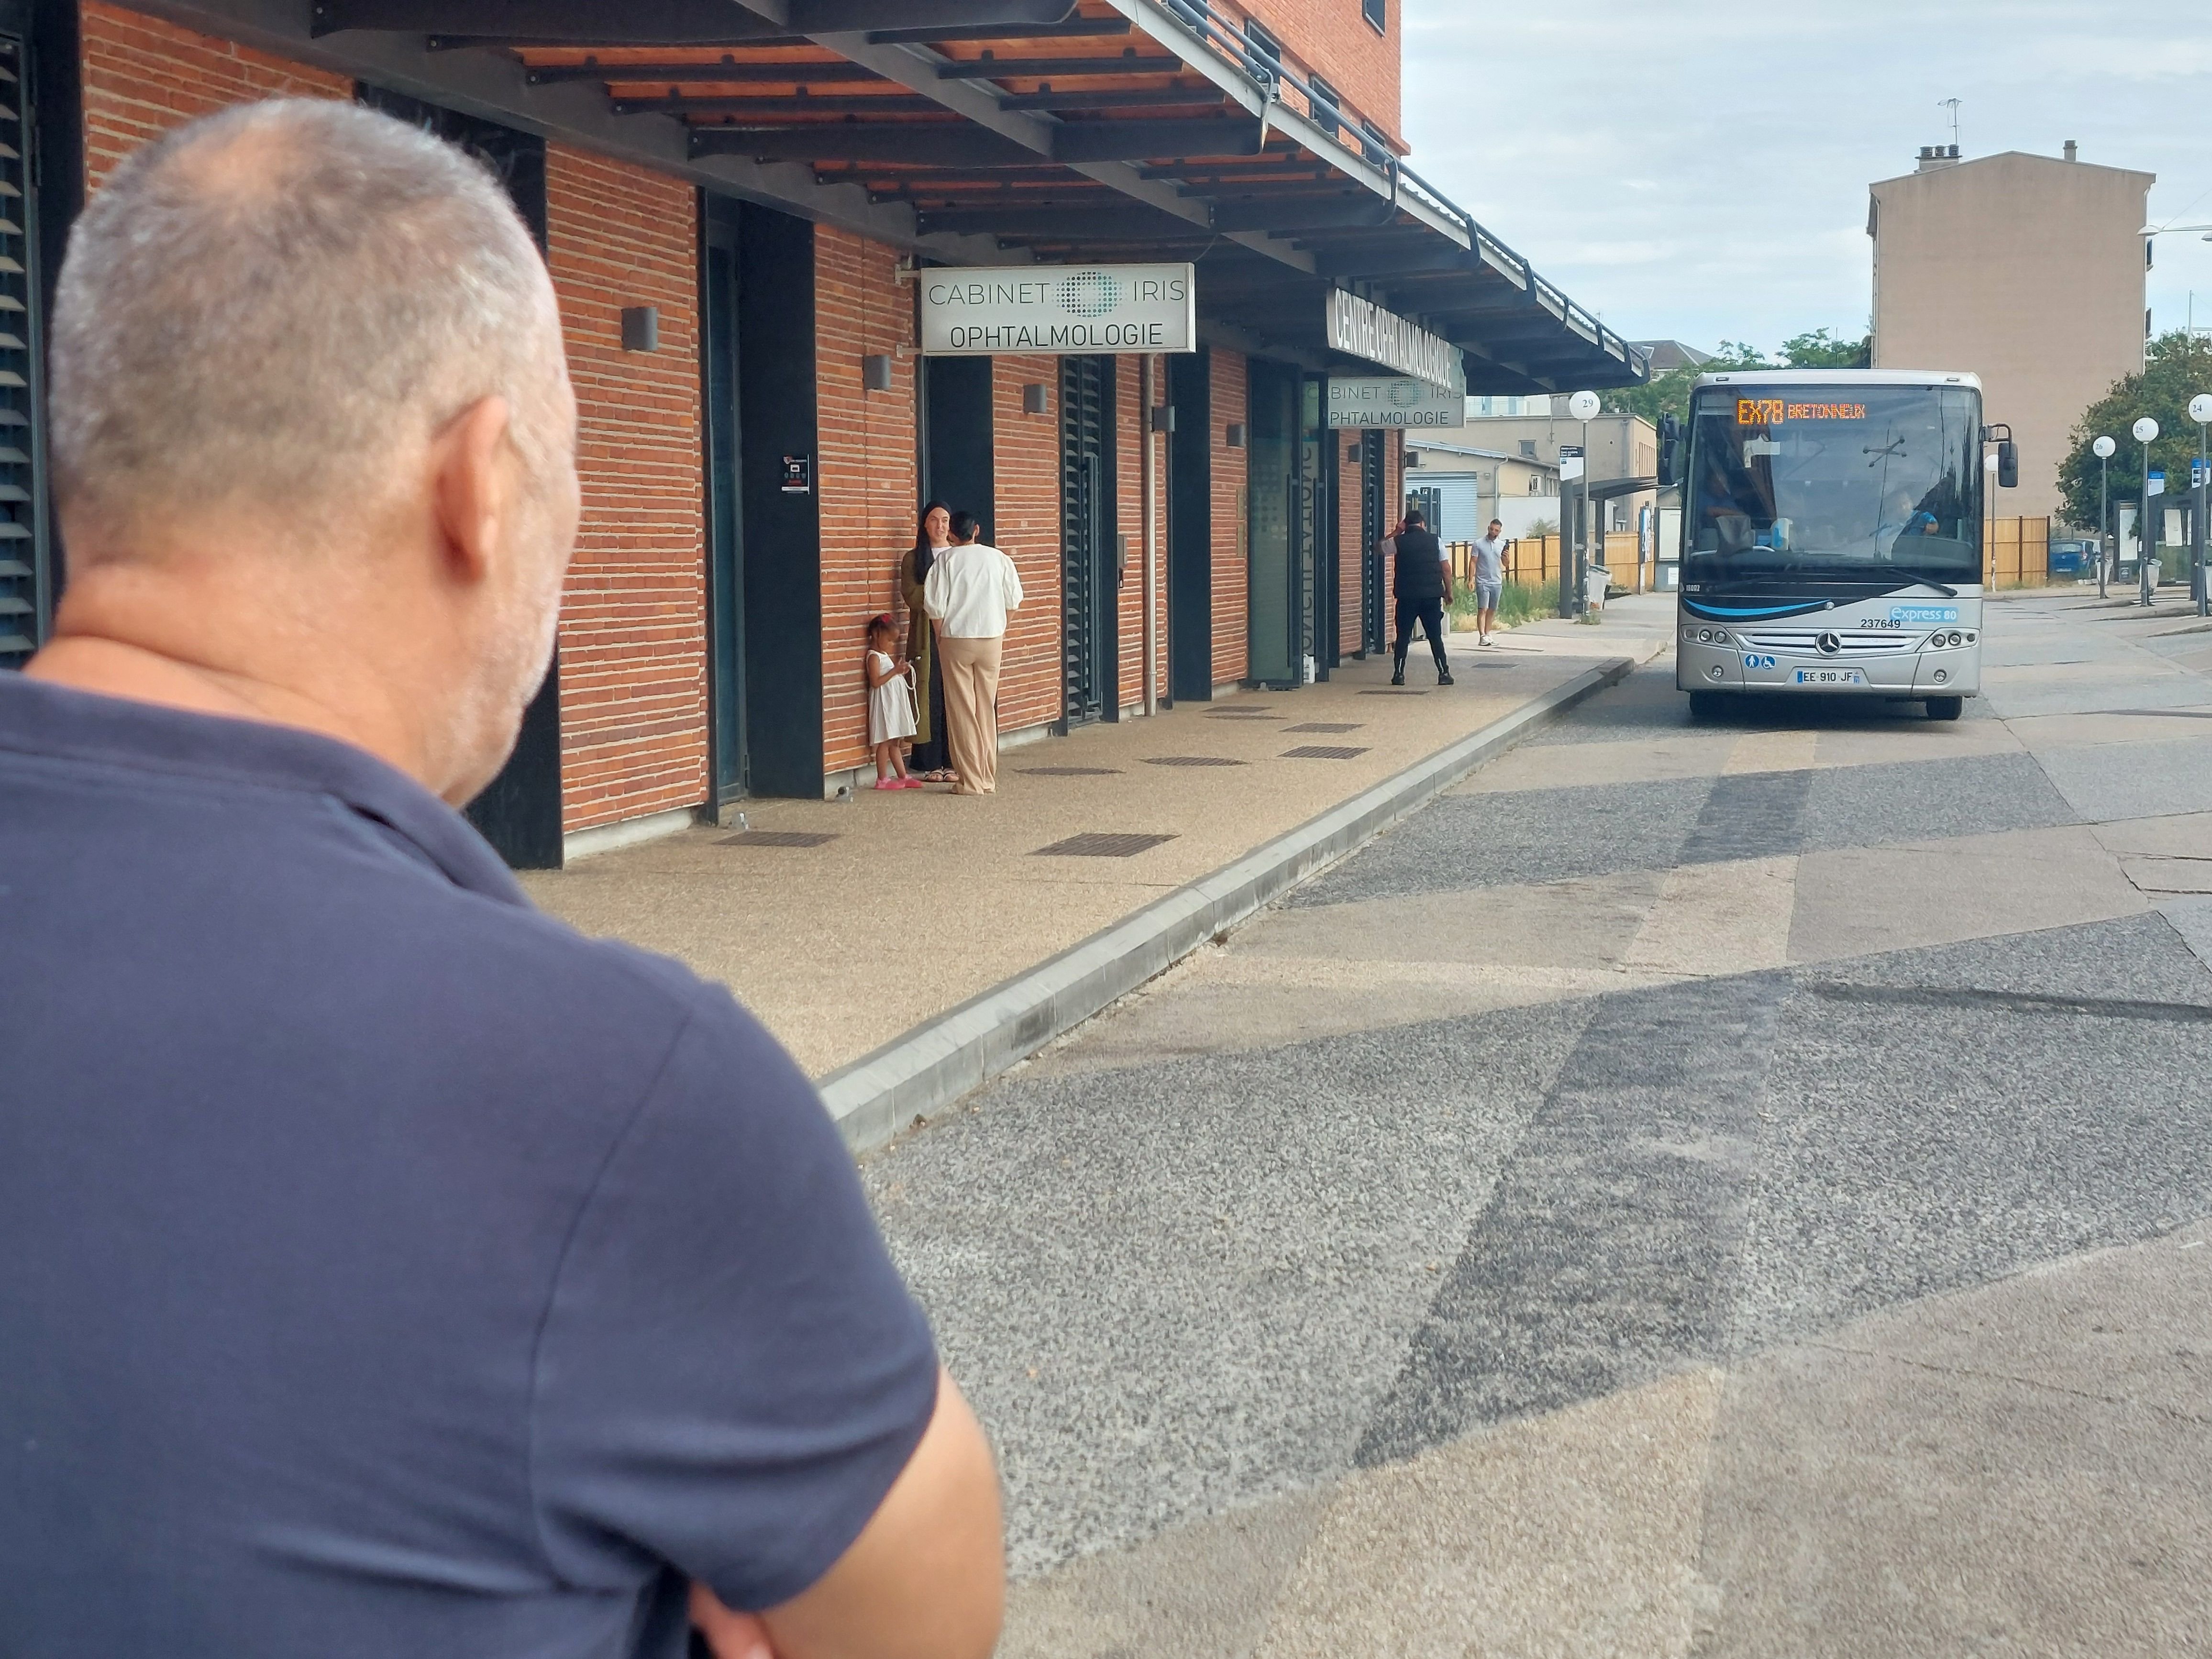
(1714, 672)
(1941, 675)
(1957, 638)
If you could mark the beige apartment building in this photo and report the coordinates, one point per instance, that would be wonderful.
(2025, 270)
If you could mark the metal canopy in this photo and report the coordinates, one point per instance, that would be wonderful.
(1053, 130)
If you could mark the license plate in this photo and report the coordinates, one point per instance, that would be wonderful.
(1830, 676)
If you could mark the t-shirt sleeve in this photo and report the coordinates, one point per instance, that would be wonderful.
(731, 1373)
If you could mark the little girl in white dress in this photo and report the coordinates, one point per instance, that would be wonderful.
(891, 705)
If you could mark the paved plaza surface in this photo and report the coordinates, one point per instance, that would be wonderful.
(845, 924)
(1733, 1188)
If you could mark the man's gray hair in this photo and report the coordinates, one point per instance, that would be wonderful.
(270, 305)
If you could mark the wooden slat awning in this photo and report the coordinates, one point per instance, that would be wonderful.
(1057, 130)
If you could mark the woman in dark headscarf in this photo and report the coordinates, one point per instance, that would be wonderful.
(929, 761)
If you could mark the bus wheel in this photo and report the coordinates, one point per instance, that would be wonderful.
(1946, 708)
(1707, 705)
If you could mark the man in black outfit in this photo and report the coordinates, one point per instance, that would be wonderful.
(1423, 589)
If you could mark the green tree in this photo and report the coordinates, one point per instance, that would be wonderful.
(2175, 369)
(1669, 393)
(1820, 349)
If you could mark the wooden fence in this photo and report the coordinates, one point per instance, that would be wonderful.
(2018, 555)
(1534, 561)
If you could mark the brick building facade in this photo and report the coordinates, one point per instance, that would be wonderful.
(711, 626)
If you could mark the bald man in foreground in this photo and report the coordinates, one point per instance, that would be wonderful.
(389, 1270)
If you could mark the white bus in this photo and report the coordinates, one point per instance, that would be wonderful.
(1832, 537)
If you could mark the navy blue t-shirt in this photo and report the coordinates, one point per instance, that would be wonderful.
(385, 1269)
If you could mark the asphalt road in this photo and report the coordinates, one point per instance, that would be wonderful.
(1732, 1189)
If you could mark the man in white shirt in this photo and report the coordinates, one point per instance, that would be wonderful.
(969, 591)
(1489, 580)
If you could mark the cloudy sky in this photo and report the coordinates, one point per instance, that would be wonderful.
(1698, 168)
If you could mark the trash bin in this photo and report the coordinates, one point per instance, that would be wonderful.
(1595, 581)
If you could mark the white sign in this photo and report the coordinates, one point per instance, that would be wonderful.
(1364, 328)
(1360, 403)
(2200, 408)
(1583, 405)
(1571, 464)
(969, 312)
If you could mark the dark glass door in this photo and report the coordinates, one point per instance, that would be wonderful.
(1278, 585)
(519, 810)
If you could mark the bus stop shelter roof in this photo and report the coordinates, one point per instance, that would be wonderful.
(998, 131)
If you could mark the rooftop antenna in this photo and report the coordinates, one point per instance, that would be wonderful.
(1951, 104)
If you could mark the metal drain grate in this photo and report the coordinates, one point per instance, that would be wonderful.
(1069, 771)
(1322, 751)
(777, 838)
(1191, 760)
(1100, 844)
(1326, 726)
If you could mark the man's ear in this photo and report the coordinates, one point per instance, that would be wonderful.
(473, 486)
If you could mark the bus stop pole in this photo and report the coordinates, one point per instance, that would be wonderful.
(2200, 406)
(2146, 544)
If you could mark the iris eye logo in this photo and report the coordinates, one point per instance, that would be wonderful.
(1402, 394)
(1090, 294)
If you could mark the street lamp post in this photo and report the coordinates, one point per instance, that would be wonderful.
(2145, 430)
(2200, 410)
(1582, 406)
(2108, 545)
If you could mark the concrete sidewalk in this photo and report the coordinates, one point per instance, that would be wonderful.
(850, 926)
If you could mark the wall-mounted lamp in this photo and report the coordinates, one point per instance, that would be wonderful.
(876, 372)
(640, 328)
(1234, 437)
(1037, 399)
(1413, 457)
(1163, 417)
(1352, 453)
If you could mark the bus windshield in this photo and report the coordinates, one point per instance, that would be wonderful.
(1835, 482)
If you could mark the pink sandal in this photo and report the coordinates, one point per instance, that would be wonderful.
(888, 783)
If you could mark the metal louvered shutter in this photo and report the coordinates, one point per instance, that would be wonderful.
(1086, 515)
(23, 599)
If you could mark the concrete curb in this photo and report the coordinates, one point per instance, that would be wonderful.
(943, 1058)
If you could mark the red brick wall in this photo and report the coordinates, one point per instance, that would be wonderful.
(1129, 522)
(1231, 594)
(1133, 686)
(867, 468)
(1027, 486)
(633, 619)
(1394, 493)
(1331, 37)
(633, 630)
(1349, 550)
(143, 76)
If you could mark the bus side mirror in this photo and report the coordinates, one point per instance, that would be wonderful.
(1670, 450)
(2007, 465)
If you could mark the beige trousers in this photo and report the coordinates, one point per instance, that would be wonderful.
(971, 711)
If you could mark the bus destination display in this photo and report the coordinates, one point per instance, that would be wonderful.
(1773, 411)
